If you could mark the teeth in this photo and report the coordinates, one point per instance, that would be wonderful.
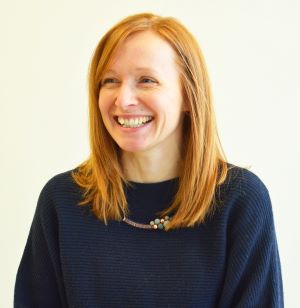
(134, 122)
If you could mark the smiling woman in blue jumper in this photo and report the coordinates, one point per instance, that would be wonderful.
(156, 216)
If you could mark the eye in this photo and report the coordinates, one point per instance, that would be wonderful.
(109, 81)
(147, 80)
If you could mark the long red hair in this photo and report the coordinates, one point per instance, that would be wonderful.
(204, 165)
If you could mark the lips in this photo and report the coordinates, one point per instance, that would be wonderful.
(133, 121)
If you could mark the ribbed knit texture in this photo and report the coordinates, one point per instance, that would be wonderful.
(71, 259)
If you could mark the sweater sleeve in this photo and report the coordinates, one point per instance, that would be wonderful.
(253, 276)
(38, 281)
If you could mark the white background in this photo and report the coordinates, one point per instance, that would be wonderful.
(252, 51)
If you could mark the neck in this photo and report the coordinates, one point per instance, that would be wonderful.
(145, 167)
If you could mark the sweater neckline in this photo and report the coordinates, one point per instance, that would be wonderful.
(164, 182)
(146, 199)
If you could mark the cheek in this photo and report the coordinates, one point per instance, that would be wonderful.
(156, 100)
(104, 113)
(103, 105)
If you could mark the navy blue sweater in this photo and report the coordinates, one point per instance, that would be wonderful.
(71, 259)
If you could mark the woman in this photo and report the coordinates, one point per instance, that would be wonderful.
(164, 220)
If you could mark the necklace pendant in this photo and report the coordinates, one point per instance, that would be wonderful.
(160, 223)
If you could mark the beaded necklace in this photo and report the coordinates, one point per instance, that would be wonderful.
(156, 224)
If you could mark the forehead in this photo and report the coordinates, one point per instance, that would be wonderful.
(144, 49)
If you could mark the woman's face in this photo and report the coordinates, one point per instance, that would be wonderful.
(140, 98)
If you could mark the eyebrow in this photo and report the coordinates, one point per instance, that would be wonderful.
(147, 69)
(138, 69)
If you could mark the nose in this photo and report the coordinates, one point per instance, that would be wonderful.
(125, 96)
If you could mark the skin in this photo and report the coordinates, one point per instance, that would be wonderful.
(143, 80)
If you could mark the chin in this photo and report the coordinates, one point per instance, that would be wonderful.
(132, 147)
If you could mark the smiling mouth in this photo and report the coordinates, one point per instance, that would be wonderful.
(133, 122)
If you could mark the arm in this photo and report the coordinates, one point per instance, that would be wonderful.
(39, 281)
(253, 276)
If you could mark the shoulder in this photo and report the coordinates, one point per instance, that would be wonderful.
(247, 199)
(57, 191)
(60, 183)
(244, 183)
